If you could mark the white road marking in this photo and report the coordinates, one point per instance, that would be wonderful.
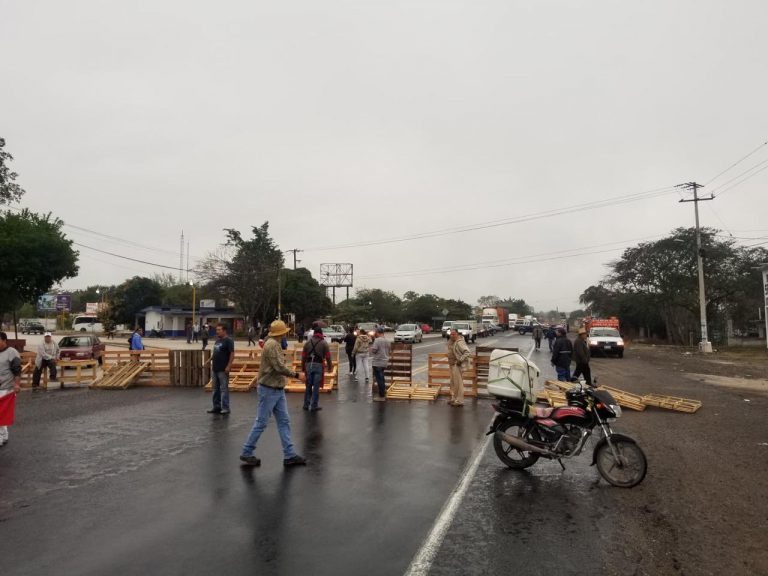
(425, 557)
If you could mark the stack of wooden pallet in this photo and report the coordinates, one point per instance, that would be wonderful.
(624, 398)
(121, 376)
(410, 391)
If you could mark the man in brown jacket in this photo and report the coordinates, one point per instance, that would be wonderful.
(458, 358)
(581, 356)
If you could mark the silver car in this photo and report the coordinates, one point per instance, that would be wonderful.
(409, 333)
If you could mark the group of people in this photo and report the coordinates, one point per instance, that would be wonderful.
(565, 352)
(368, 355)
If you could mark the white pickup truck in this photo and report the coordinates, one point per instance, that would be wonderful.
(467, 328)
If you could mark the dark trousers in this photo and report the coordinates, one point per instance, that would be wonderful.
(251, 341)
(378, 374)
(585, 370)
(352, 363)
(538, 343)
(51, 365)
(550, 341)
(205, 343)
(314, 374)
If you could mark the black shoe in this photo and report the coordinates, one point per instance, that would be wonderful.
(250, 460)
(295, 461)
(214, 411)
(316, 409)
(224, 412)
(305, 407)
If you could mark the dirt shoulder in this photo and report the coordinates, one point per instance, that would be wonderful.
(701, 509)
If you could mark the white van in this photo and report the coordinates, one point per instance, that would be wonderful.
(467, 328)
(87, 324)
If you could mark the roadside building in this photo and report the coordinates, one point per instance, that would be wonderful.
(173, 320)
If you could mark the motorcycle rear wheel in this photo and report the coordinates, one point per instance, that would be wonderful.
(511, 456)
(630, 468)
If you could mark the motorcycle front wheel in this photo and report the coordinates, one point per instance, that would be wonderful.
(625, 469)
(511, 456)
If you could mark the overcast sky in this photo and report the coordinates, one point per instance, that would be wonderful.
(343, 122)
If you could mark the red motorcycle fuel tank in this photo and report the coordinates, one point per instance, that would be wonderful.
(573, 414)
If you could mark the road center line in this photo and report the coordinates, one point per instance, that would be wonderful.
(425, 557)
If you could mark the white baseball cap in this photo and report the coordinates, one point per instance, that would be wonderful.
(47, 334)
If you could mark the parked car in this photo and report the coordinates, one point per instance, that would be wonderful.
(607, 341)
(409, 333)
(528, 328)
(33, 328)
(335, 332)
(369, 327)
(426, 328)
(81, 348)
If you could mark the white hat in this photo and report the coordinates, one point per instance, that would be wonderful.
(47, 334)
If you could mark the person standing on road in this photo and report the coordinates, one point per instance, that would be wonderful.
(10, 376)
(562, 351)
(47, 355)
(195, 333)
(581, 356)
(550, 336)
(316, 352)
(349, 346)
(360, 352)
(272, 399)
(188, 330)
(204, 334)
(221, 365)
(380, 353)
(458, 358)
(251, 335)
(537, 334)
(136, 342)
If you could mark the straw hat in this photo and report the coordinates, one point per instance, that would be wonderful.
(278, 328)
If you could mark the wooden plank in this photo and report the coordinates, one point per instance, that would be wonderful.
(672, 403)
(625, 399)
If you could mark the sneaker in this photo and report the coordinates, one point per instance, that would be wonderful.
(305, 407)
(295, 461)
(379, 399)
(214, 411)
(224, 412)
(316, 409)
(351, 373)
(250, 460)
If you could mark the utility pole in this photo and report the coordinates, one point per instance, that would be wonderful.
(705, 345)
(295, 252)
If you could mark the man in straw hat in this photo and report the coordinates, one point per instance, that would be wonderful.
(272, 375)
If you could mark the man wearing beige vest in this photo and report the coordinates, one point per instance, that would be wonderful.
(458, 359)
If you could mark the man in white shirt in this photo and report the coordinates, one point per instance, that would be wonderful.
(47, 355)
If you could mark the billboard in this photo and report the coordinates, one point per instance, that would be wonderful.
(207, 303)
(54, 303)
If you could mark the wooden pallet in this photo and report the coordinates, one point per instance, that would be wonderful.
(672, 403)
(626, 399)
(407, 391)
(558, 385)
(242, 377)
(121, 376)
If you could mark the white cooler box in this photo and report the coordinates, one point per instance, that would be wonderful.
(509, 368)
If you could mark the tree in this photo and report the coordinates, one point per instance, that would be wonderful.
(35, 255)
(9, 190)
(303, 296)
(488, 301)
(132, 296)
(517, 306)
(423, 308)
(654, 285)
(246, 271)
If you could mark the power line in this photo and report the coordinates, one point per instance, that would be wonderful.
(126, 257)
(736, 163)
(508, 221)
(744, 179)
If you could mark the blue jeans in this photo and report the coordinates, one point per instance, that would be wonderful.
(271, 401)
(563, 374)
(378, 374)
(314, 374)
(220, 390)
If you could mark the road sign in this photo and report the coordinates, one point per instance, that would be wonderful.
(444, 311)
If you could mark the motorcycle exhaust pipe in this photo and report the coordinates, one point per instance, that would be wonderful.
(521, 444)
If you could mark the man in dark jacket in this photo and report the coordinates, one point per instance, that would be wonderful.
(562, 351)
(316, 352)
(581, 357)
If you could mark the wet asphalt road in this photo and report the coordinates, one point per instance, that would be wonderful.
(144, 482)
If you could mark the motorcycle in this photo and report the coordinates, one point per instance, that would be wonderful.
(522, 433)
